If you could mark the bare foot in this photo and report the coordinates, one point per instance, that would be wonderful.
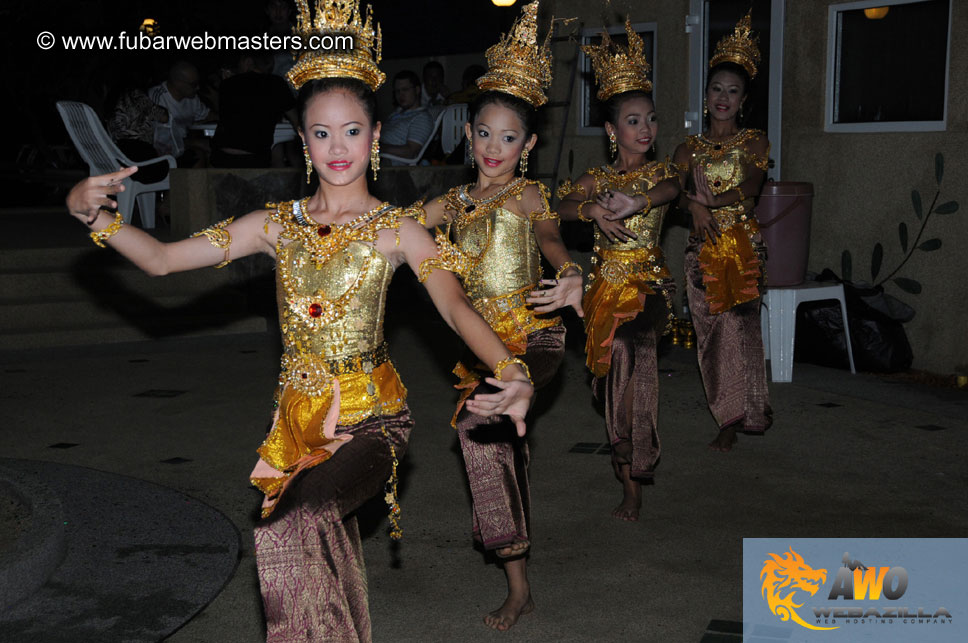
(512, 550)
(725, 440)
(507, 615)
(628, 509)
(518, 601)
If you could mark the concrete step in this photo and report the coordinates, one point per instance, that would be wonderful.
(92, 282)
(108, 308)
(120, 333)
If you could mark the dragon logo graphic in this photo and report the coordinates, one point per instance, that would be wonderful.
(782, 577)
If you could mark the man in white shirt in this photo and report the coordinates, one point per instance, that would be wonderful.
(179, 95)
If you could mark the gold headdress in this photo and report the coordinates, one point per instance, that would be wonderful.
(617, 69)
(738, 47)
(517, 64)
(336, 20)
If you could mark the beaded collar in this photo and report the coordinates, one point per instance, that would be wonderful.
(717, 149)
(322, 241)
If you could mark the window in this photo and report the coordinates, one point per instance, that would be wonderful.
(591, 112)
(887, 66)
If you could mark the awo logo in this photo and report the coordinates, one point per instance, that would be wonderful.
(784, 576)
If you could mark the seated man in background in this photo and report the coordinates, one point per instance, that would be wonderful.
(251, 103)
(131, 124)
(179, 95)
(409, 126)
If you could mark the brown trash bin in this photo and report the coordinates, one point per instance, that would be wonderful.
(783, 212)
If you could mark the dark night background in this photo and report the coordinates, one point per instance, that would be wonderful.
(35, 79)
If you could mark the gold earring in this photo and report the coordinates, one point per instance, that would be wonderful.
(375, 157)
(469, 153)
(705, 108)
(741, 112)
(309, 164)
(612, 144)
(523, 163)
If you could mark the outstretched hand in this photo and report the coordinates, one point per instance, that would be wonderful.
(86, 199)
(513, 400)
(566, 291)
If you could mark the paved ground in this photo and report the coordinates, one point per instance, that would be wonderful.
(848, 456)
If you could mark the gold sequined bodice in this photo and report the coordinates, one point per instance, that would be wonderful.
(331, 287)
(725, 164)
(505, 251)
(647, 226)
(499, 247)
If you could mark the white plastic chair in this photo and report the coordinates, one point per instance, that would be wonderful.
(778, 326)
(103, 157)
(452, 126)
(423, 148)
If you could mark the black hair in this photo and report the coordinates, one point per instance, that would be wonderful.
(406, 74)
(357, 88)
(521, 107)
(733, 68)
(472, 73)
(614, 104)
(433, 64)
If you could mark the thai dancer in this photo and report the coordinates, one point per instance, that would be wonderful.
(495, 231)
(340, 421)
(628, 302)
(722, 171)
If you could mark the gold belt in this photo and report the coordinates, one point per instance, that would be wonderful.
(313, 374)
(618, 265)
(504, 303)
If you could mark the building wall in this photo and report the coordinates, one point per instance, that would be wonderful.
(863, 184)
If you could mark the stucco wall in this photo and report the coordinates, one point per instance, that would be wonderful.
(863, 186)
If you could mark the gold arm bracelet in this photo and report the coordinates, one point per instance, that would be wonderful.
(742, 197)
(219, 237)
(582, 217)
(101, 236)
(507, 361)
(565, 266)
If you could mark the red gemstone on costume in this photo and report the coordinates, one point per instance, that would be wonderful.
(315, 310)
(305, 376)
(323, 230)
(470, 209)
(717, 183)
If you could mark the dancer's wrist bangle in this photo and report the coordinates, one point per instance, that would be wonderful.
(582, 217)
(507, 361)
(565, 266)
(112, 229)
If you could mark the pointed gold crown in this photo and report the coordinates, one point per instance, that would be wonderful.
(336, 18)
(739, 47)
(619, 69)
(517, 64)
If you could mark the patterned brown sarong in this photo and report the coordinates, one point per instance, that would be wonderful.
(309, 554)
(495, 458)
(730, 350)
(632, 378)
